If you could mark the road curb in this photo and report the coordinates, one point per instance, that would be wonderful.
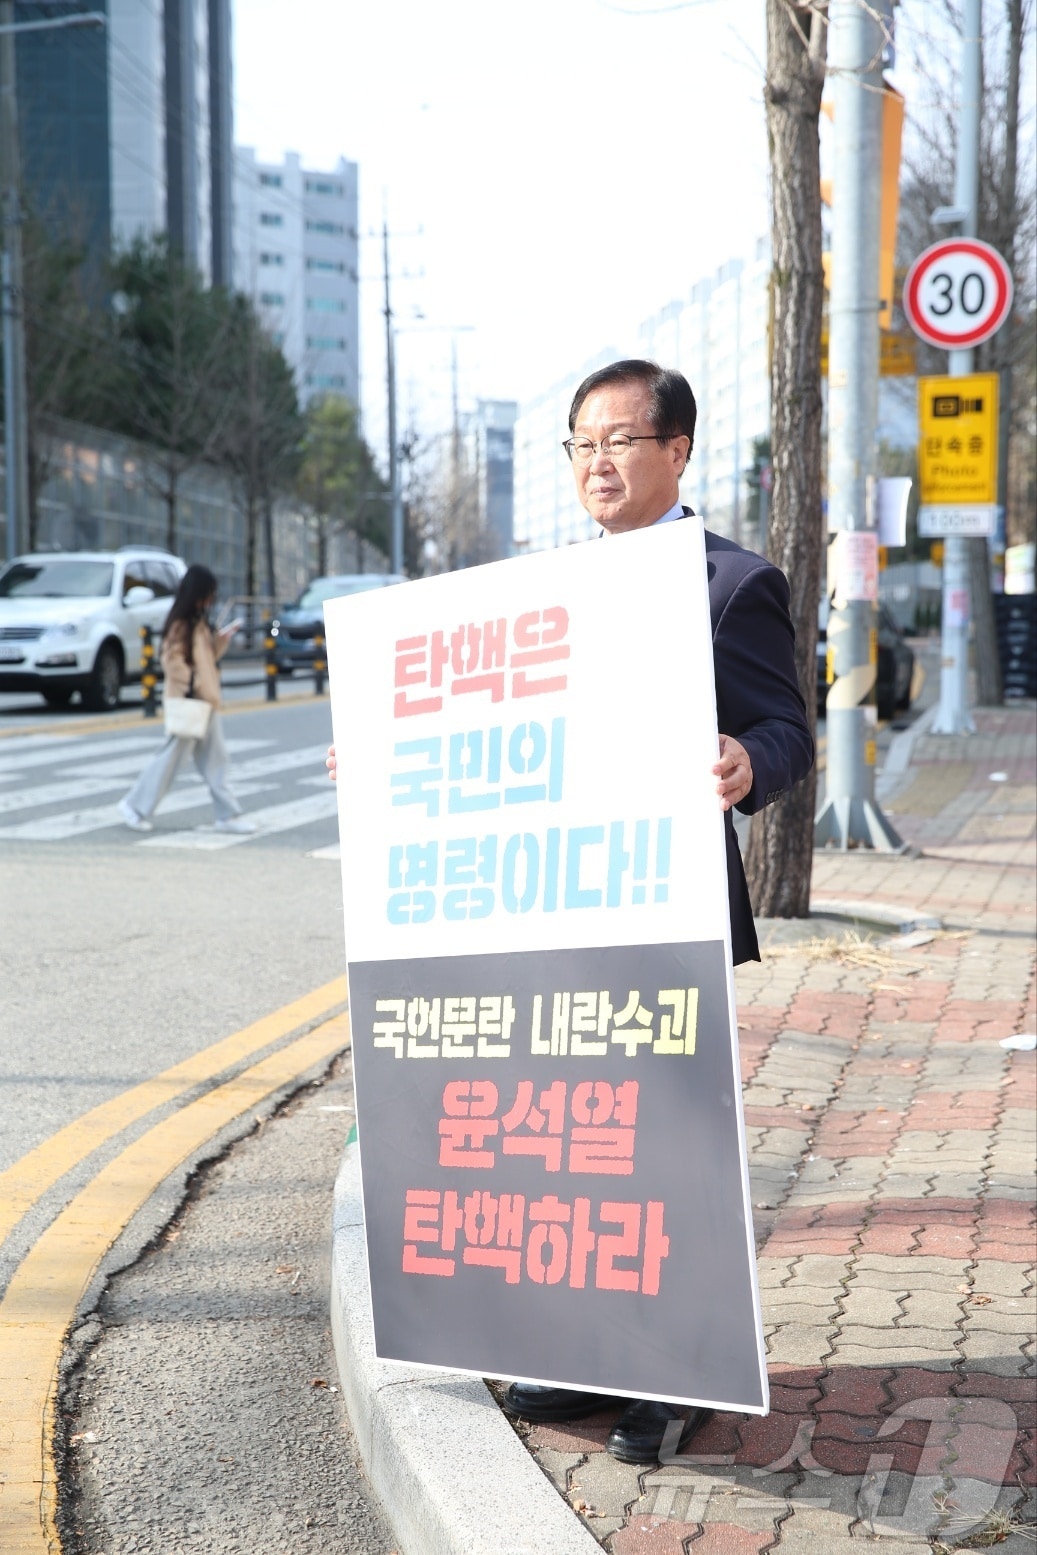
(871, 914)
(452, 1476)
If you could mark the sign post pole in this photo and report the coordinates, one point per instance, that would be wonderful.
(850, 815)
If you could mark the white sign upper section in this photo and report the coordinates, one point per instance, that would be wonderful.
(525, 753)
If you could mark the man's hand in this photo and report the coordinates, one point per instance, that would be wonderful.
(332, 764)
(735, 771)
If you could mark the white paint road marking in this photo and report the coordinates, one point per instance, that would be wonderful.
(129, 766)
(75, 823)
(56, 793)
(332, 851)
(281, 761)
(275, 818)
(60, 749)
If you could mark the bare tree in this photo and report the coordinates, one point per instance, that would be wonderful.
(444, 487)
(260, 441)
(778, 863)
(173, 336)
(336, 478)
(67, 347)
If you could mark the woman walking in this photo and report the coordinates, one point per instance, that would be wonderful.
(190, 653)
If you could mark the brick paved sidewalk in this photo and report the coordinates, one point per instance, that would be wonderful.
(892, 1152)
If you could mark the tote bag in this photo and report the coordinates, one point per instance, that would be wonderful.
(187, 717)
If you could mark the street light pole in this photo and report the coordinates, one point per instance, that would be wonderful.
(850, 815)
(395, 490)
(952, 713)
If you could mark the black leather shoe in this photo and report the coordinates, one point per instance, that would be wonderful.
(638, 1434)
(533, 1402)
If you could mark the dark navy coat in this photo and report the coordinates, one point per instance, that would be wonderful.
(758, 698)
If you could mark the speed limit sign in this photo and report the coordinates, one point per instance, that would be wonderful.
(958, 293)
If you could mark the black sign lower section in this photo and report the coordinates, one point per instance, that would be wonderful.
(551, 1168)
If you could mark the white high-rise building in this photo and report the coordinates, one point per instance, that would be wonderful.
(295, 253)
(717, 337)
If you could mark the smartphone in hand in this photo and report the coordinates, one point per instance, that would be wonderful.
(232, 627)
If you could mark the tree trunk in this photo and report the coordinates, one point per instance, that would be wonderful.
(171, 505)
(268, 541)
(780, 855)
(37, 473)
(251, 529)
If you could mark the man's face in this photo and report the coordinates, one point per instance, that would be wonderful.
(636, 491)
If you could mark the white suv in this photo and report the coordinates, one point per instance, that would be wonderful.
(71, 620)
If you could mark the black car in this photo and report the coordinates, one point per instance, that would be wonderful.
(896, 666)
(295, 628)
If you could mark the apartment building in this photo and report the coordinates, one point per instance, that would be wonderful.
(295, 254)
(717, 337)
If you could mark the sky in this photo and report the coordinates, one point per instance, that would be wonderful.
(551, 173)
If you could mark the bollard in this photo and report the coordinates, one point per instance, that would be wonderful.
(270, 665)
(320, 663)
(148, 678)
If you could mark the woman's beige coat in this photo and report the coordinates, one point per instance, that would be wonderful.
(208, 649)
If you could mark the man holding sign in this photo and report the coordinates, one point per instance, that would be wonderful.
(632, 427)
(546, 975)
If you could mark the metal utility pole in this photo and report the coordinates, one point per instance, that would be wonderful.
(395, 492)
(952, 714)
(455, 419)
(16, 440)
(850, 816)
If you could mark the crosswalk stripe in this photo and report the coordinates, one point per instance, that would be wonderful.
(54, 793)
(127, 766)
(114, 774)
(332, 851)
(281, 761)
(59, 749)
(75, 823)
(275, 818)
(12, 743)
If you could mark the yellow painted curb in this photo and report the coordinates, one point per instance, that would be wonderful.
(22, 1184)
(133, 718)
(41, 1301)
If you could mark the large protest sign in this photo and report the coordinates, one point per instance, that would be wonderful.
(538, 946)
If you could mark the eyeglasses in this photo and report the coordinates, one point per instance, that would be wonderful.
(581, 450)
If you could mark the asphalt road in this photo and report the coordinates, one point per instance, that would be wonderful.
(125, 955)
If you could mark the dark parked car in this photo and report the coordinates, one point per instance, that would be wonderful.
(896, 665)
(295, 628)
